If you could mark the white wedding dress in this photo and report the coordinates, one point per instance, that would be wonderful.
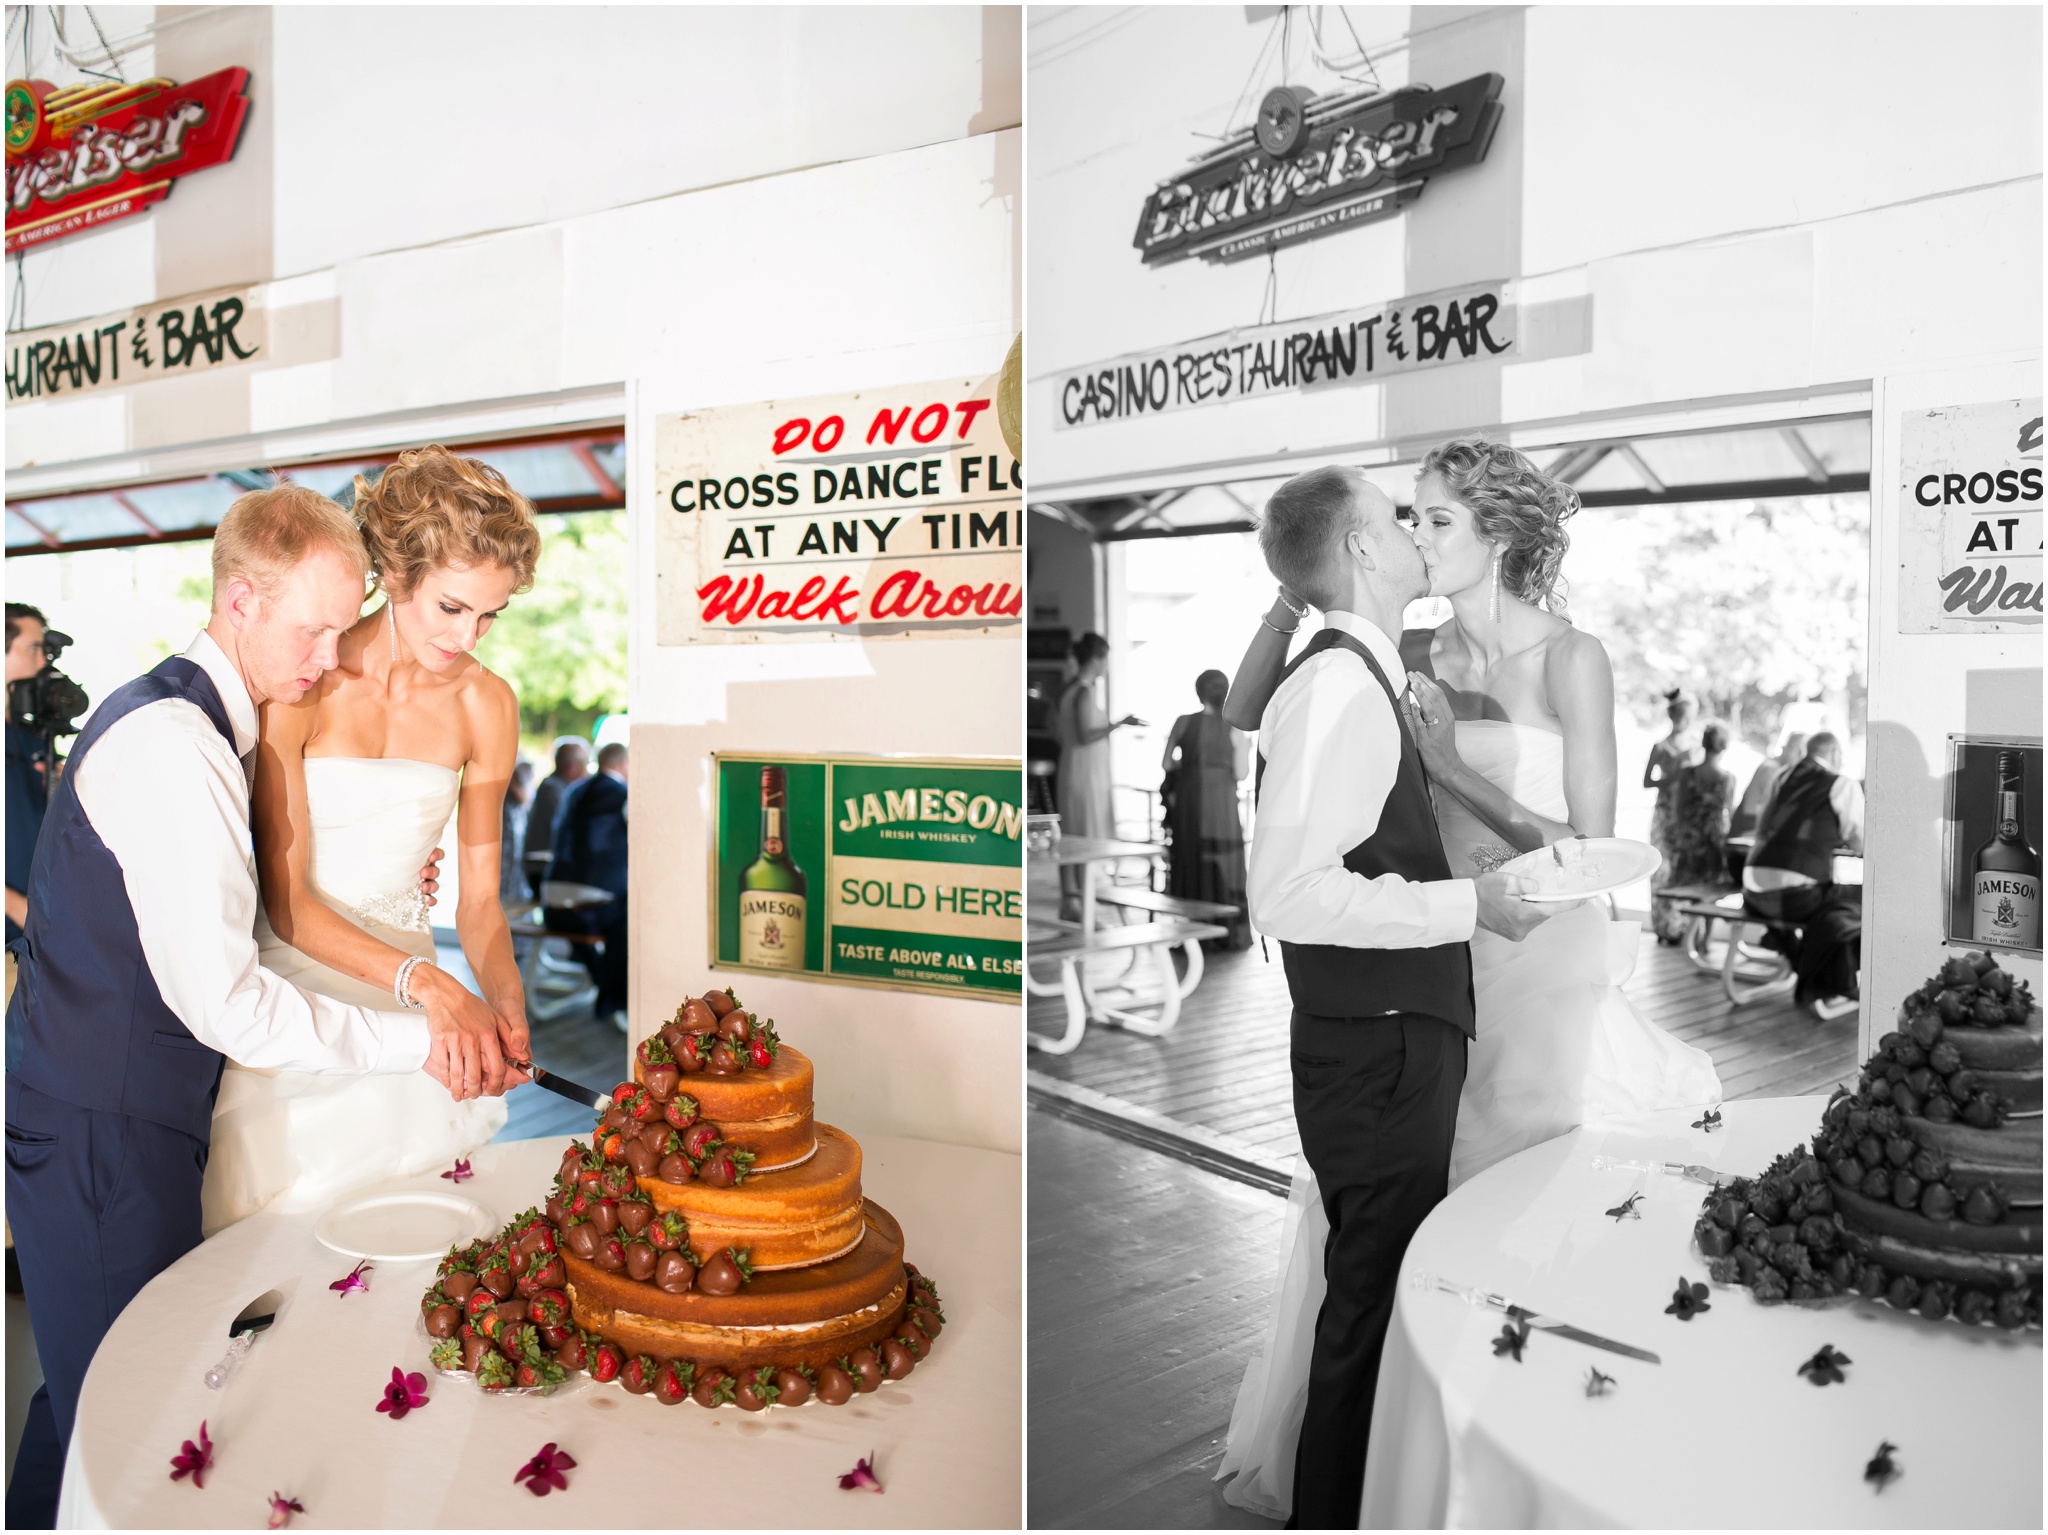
(303, 1140)
(1556, 1045)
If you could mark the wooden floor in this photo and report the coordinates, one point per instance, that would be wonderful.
(1150, 1285)
(1224, 1067)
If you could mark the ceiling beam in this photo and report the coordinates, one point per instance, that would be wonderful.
(1816, 471)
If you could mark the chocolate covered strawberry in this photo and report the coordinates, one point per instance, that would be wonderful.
(720, 1002)
(658, 1069)
(446, 1355)
(726, 1167)
(474, 1349)
(640, 1106)
(764, 1046)
(756, 1390)
(674, 1381)
(724, 1060)
(676, 1168)
(458, 1285)
(642, 1158)
(495, 1275)
(691, 1052)
(481, 1304)
(736, 1026)
(668, 1231)
(443, 1320)
(572, 1160)
(700, 1138)
(835, 1384)
(700, 1014)
(680, 1111)
(865, 1366)
(539, 1371)
(794, 1383)
(636, 1213)
(573, 1353)
(927, 1320)
(640, 1257)
(606, 1361)
(714, 1388)
(611, 1255)
(494, 1372)
(514, 1337)
(611, 1146)
(604, 1216)
(674, 1273)
(549, 1308)
(617, 1181)
(638, 1375)
(724, 1272)
(581, 1238)
(898, 1358)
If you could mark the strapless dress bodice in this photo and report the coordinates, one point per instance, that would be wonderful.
(374, 821)
(1524, 763)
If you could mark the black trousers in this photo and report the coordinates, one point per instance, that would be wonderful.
(100, 1204)
(1376, 1100)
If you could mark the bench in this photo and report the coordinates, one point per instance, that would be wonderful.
(1748, 974)
(1187, 909)
(551, 989)
(1150, 945)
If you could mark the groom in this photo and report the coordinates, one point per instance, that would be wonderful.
(138, 968)
(1348, 872)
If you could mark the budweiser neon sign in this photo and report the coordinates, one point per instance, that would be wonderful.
(1311, 167)
(88, 155)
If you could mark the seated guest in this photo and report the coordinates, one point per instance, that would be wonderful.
(1762, 782)
(590, 849)
(1815, 809)
(572, 766)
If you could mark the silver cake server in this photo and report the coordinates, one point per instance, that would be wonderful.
(251, 1320)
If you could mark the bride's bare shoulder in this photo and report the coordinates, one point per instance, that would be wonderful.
(1575, 661)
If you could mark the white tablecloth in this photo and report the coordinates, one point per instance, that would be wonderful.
(1724, 1433)
(300, 1415)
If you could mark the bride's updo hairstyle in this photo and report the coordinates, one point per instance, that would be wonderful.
(1514, 506)
(434, 511)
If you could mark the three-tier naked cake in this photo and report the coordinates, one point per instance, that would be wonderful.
(712, 1241)
(1923, 1187)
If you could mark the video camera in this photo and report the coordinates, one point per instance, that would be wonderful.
(49, 703)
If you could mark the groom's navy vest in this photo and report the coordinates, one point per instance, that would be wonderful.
(1337, 981)
(87, 1024)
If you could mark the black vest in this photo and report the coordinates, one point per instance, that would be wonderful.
(87, 1024)
(1800, 830)
(1337, 981)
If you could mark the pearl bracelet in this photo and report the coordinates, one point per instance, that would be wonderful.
(1298, 612)
(401, 988)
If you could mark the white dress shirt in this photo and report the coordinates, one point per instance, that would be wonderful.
(170, 799)
(1333, 747)
(1845, 795)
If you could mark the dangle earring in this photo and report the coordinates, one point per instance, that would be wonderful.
(392, 626)
(1493, 603)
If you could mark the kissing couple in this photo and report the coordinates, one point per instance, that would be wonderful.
(226, 992)
(1441, 1022)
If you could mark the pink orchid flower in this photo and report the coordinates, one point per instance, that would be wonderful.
(353, 1279)
(404, 1393)
(862, 1476)
(194, 1459)
(545, 1470)
(282, 1509)
(459, 1171)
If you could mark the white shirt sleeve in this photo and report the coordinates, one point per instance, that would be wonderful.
(1333, 748)
(1846, 796)
(167, 796)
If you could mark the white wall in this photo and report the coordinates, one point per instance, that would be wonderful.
(1924, 688)
(1681, 237)
(916, 284)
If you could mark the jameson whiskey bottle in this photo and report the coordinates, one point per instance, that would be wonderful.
(772, 888)
(2005, 886)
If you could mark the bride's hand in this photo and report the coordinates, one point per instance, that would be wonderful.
(1428, 711)
(512, 1038)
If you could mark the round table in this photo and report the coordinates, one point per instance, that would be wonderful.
(1723, 1433)
(299, 1416)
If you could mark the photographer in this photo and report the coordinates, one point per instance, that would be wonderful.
(27, 769)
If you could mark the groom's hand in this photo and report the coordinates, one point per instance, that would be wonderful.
(430, 876)
(1502, 909)
(464, 1036)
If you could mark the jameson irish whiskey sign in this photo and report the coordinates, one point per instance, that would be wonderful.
(882, 513)
(1994, 844)
(886, 871)
(1970, 518)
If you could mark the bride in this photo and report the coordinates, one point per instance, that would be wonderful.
(353, 785)
(1522, 755)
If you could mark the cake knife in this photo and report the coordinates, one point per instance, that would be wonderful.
(1534, 1319)
(1692, 1170)
(575, 1091)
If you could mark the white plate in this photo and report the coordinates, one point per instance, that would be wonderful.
(400, 1225)
(1594, 866)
